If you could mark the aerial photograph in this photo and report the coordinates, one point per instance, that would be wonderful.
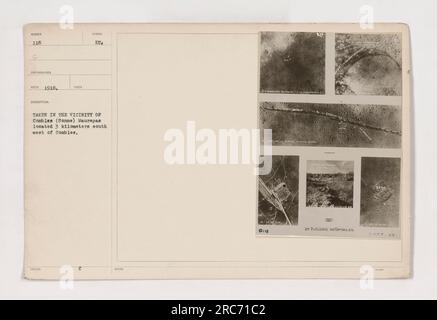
(332, 125)
(278, 192)
(368, 64)
(292, 62)
(380, 187)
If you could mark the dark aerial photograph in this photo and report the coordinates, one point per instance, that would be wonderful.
(332, 125)
(292, 62)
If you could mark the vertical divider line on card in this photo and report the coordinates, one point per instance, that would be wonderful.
(330, 64)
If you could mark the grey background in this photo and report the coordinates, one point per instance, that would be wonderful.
(420, 15)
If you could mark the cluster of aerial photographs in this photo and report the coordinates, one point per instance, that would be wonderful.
(293, 67)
